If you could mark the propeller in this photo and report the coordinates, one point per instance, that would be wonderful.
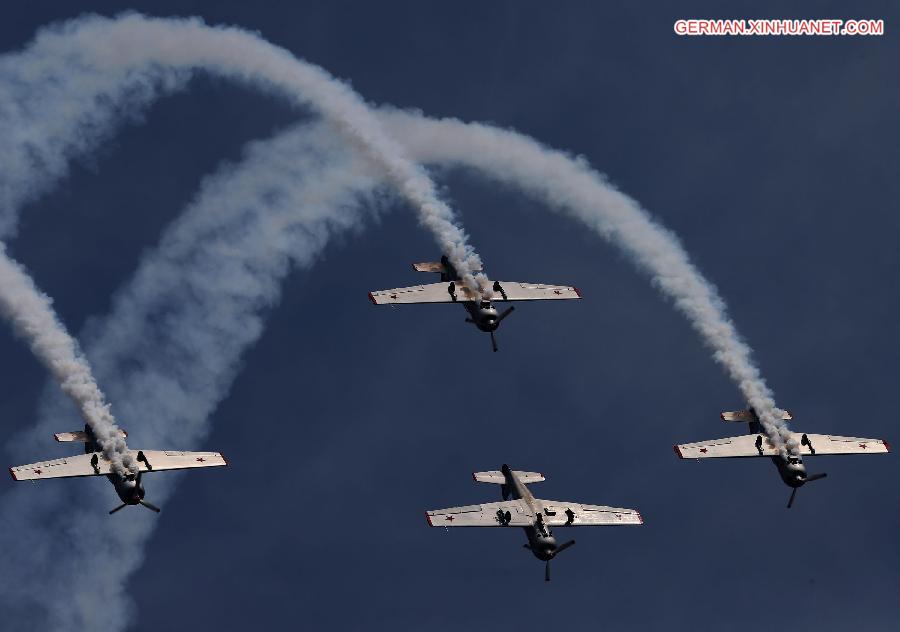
(150, 506)
(809, 479)
(556, 551)
(122, 506)
(493, 342)
(506, 313)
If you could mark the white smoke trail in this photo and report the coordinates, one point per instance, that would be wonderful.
(169, 352)
(569, 184)
(118, 62)
(31, 314)
(197, 303)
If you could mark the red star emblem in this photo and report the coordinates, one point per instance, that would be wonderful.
(201, 459)
(704, 450)
(450, 518)
(38, 471)
(863, 446)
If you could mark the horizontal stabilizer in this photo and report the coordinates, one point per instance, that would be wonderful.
(759, 445)
(430, 266)
(437, 266)
(748, 415)
(496, 477)
(79, 435)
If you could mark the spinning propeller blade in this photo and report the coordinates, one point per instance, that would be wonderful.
(150, 506)
(506, 313)
(122, 506)
(493, 342)
(791, 501)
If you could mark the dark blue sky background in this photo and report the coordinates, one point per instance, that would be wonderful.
(773, 159)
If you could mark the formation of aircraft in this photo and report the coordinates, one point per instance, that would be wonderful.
(758, 444)
(93, 463)
(482, 313)
(520, 508)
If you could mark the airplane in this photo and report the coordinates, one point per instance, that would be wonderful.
(521, 509)
(757, 443)
(94, 463)
(482, 313)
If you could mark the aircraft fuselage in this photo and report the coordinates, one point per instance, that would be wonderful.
(792, 471)
(482, 314)
(129, 490)
(540, 539)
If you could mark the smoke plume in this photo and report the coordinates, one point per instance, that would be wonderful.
(32, 317)
(169, 351)
(569, 185)
(199, 300)
(90, 70)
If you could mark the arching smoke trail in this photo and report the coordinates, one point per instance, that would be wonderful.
(31, 314)
(113, 63)
(169, 352)
(197, 303)
(570, 185)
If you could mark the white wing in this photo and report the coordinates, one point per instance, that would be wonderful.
(515, 291)
(430, 293)
(586, 515)
(751, 445)
(486, 515)
(81, 464)
(440, 293)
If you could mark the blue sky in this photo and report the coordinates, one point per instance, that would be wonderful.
(775, 162)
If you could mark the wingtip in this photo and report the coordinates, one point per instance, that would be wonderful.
(13, 474)
(577, 291)
(677, 449)
(224, 460)
(372, 298)
(640, 517)
(887, 445)
(722, 416)
(428, 518)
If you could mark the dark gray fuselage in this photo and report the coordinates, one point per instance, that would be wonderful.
(482, 314)
(540, 538)
(130, 491)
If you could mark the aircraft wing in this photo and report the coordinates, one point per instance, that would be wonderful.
(440, 293)
(485, 515)
(80, 464)
(430, 293)
(810, 444)
(587, 515)
(516, 291)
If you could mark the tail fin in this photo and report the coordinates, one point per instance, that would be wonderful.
(496, 477)
(747, 416)
(80, 435)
